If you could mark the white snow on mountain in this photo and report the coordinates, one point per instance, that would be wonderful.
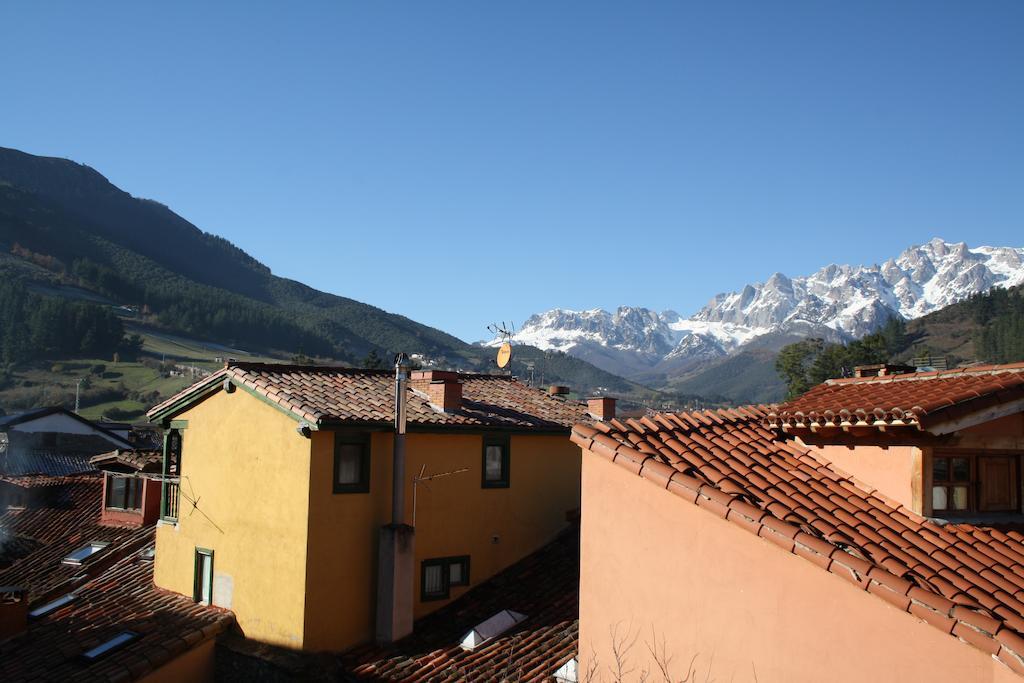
(851, 301)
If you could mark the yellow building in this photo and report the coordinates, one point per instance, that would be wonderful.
(279, 487)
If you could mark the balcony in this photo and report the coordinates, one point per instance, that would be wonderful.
(170, 501)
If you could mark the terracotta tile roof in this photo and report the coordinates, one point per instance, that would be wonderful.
(964, 580)
(20, 463)
(916, 399)
(331, 395)
(124, 460)
(544, 586)
(114, 590)
(63, 518)
(121, 598)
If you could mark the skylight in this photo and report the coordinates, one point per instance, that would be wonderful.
(85, 552)
(118, 641)
(567, 673)
(43, 610)
(491, 628)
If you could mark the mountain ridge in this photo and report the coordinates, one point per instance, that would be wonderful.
(836, 303)
(65, 228)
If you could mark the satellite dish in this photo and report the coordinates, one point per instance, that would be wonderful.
(504, 355)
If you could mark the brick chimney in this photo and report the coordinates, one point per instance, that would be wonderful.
(442, 387)
(882, 370)
(13, 611)
(601, 407)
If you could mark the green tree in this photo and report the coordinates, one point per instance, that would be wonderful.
(373, 361)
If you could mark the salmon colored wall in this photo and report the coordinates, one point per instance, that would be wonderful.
(743, 607)
(195, 666)
(244, 463)
(895, 471)
(455, 516)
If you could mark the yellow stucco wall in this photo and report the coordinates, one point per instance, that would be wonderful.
(297, 563)
(244, 463)
(455, 516)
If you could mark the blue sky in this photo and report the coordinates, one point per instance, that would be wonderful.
(462, 163)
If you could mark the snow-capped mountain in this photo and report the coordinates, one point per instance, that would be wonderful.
(837, 302)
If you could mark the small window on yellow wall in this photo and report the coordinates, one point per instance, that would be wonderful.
(437, 576)
(496, 461)
(351, 463)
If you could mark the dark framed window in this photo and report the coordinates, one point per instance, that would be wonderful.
(202, 588)
(495, 465)
(437, 576)
(124, 493)
(351, 463)
(952, 483)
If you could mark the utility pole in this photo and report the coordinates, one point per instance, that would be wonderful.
(78, 389)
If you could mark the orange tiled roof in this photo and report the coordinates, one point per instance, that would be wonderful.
(964, 580)
(544, 586)
(121, 459)
(114, 590)
(331, 395)
(916, 399)
(121, 598)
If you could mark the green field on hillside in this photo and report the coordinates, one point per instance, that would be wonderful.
(116, 390)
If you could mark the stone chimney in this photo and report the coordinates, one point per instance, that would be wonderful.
(442, 387)
(13, 611)
(601, 407)
(558, 390)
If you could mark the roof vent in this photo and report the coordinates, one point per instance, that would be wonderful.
(567, 672)
(558, 390)
(491, 628)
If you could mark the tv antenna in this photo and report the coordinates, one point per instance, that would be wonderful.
(506, 332)
(423, 478)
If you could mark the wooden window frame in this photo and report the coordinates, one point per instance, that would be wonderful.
(133, 482)
(177, 427)
(949, 483)
(347, 438)
(505, 441)
(445, 564)
(197, 587)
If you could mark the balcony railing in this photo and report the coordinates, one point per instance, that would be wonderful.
(170, 501)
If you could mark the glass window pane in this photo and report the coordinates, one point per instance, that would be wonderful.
(940, 469)
(455, 573)
(939, 497)
(116, 499)
(350, 458)
(207, 567)
(961, 469)
(433, 579)
(959, 497)
(493, 463)
(135, 494)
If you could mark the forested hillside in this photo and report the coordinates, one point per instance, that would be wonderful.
(986, 327)
(84, 260)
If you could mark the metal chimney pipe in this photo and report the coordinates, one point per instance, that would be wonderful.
(402, 367)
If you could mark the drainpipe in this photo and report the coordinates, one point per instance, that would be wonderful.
(395, 558)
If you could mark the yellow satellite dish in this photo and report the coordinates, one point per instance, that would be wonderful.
(504, 355)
